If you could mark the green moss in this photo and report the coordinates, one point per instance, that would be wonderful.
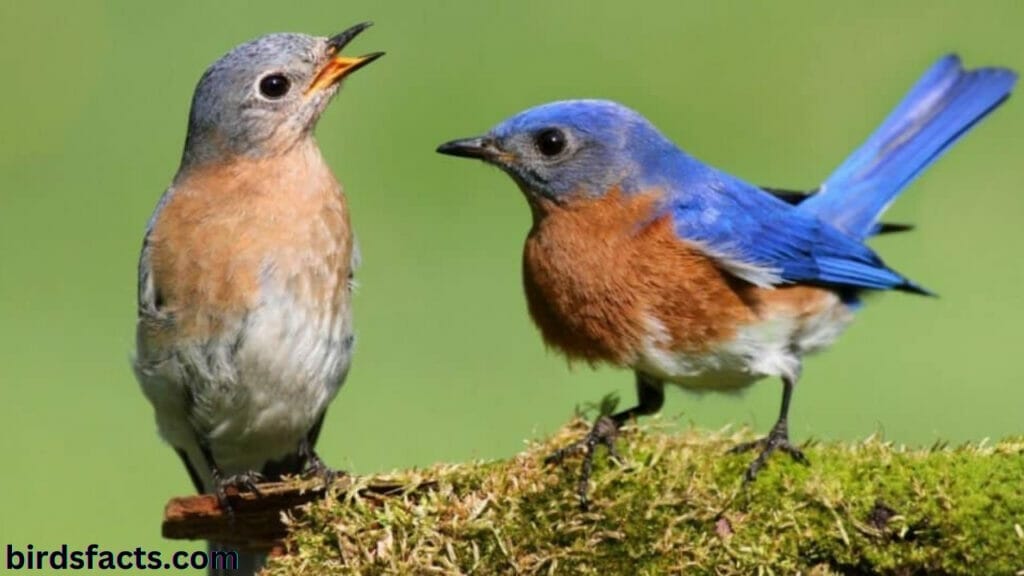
(678, 506)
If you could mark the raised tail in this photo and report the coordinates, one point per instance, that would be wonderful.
(944, 104)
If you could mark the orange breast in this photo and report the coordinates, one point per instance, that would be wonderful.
(225, 231)
(597, 271)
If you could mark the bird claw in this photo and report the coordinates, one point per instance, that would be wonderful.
(317, 468)
(777, 439)
(604, 432)
(245, 481)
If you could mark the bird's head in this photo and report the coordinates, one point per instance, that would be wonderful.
(572, 149)
(265, 95)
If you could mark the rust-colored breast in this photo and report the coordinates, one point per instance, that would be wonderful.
(228, 230)
(599, 273)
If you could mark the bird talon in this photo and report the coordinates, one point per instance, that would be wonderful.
(795, 453)
(249, 481)
(317, 468)
(223, 503)
(603, 433)
(559, 456)
(613, 454)
(746, 446)
(776, 440)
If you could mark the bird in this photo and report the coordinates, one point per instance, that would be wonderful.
(244, 328)
(643, 257)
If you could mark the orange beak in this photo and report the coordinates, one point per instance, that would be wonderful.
(338, 66)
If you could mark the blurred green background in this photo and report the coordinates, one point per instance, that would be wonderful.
(448, 367)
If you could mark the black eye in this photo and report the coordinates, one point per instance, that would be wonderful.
(274, 86)
(550, 142)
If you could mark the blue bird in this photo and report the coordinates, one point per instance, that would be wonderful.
(644, 257)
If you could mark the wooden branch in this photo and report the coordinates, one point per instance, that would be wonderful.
(258, 522)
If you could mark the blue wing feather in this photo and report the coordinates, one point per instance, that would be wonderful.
(943, 106)
(766, 241)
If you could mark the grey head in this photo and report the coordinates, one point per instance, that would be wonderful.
(264, 96)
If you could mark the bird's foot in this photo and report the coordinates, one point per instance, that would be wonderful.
(604, 432)
(246, 481)
(316, 467)
(777, 439)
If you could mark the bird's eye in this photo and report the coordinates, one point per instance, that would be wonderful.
(550, 142)
(274, 86)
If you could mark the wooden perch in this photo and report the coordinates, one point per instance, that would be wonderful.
(259, 521)
(677, 505)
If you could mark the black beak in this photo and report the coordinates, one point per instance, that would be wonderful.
(339, 41)
(480, 148)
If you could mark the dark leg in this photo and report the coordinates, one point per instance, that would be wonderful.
(196, 481)
(246, 480)
(313, 464)
(650, 396)
(304, 461)
(777, 439)
(314, 433)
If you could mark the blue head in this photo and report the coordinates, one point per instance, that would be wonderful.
(573, 149)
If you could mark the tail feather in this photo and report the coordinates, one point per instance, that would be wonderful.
(890, 228)
(944, 104)
(795, 197)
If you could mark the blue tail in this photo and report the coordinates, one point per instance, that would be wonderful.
(946, 102)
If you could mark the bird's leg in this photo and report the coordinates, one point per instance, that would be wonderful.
(314, 465)
(650, 395)
(192, 474)
(777, 439)
(246, 480)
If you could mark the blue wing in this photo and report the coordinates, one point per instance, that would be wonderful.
(765, 241)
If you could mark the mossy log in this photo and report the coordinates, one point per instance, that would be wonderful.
(677, 505)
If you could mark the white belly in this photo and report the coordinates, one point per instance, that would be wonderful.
(290, 365)
(256, 390)
(772, 347)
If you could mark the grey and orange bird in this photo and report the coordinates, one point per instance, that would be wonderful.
(244, 331)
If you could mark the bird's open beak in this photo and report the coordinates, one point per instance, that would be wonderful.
(480, 147)
(338, 66)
